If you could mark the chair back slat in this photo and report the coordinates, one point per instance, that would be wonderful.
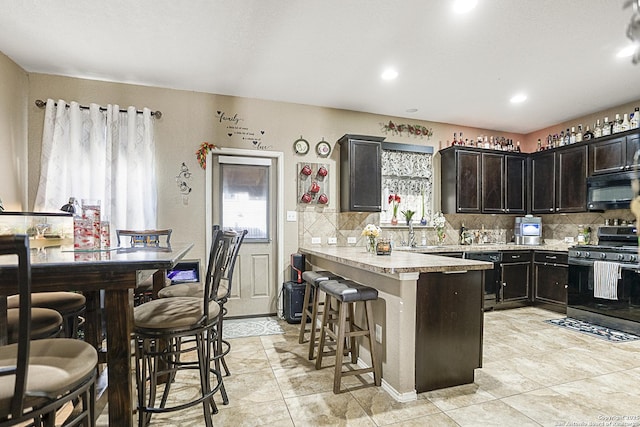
(19, 245)
(231, 262)
(220, 244)
(143, 238)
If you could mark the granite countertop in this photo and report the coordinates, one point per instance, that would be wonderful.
(556, 246)
(397, 262)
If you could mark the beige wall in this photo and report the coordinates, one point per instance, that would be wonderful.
(14, 89)
(531, 140)
(190, 118)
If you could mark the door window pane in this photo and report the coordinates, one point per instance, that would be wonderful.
(245, 199)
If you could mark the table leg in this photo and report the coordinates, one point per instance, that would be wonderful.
(119, 313)
(3, 320)
(158, 281)
(93, 319)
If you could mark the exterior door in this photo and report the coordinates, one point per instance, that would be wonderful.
(244, 197)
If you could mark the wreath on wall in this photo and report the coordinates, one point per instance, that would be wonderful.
(416, 130)
(202, 152)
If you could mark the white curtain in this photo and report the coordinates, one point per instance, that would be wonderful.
(106, 155)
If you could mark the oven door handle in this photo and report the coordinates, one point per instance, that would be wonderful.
(581, 262)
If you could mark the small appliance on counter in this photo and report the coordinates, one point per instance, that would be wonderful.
(528, 230)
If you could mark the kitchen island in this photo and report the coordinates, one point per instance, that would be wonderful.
(429, 309)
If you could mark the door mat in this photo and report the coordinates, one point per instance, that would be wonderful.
(593, 330)
(250, 327)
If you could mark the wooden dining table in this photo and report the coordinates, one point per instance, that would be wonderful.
(114, 271)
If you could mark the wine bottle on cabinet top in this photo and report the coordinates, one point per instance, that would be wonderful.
(606, 127)
(597, 129)
(625, 125)
(617, 124)
(579, 134)
(572, 135)
(588, 135)
(635, 119)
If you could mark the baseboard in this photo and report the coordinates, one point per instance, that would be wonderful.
(400, 397)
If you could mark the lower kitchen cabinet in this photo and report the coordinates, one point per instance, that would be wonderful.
(551, 278)
(515, 277)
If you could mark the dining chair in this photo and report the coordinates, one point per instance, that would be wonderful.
(169, 320)
(38, 377)
(145, 239)
(224, 291)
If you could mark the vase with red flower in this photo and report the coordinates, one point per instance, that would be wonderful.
(394, 201)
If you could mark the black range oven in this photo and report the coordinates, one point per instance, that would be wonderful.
(619, 309)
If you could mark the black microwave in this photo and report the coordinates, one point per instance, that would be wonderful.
(610, 191)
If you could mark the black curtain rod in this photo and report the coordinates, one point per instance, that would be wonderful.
(41, 104)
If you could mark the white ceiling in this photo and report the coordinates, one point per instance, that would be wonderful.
(459, 69)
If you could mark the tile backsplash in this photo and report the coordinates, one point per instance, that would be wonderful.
(499, 228)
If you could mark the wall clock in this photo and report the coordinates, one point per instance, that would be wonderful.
(301, 146)
(323, 148)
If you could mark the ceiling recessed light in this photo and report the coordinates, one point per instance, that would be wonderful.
(389, 74)
(628, 51)
(517, 99)
(412, 110)
(464, 6)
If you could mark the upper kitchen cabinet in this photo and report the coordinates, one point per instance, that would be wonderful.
(504, 183)
(481, 181)
(360, 173)
(613, 154)
(558, 180)
(461, 177)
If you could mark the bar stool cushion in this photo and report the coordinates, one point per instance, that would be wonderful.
(45, 323)
(53, 365)
(192, 290)
(348, 290)
(147, 283)
(62, 302)
(315, 277)
(172, 313)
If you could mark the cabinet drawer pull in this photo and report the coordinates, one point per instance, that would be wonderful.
(454, 272)
(551, 257)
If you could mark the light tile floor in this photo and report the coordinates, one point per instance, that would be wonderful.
(533, 374)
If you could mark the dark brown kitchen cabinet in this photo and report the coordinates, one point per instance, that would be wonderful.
(360, 173)
(558, 180)
(449, 319)
(461, 180)
(503, 183)
(515, 282)
(482, 181)
(550, 271)
(613, 154)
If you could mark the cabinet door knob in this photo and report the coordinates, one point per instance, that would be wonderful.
(551, 210)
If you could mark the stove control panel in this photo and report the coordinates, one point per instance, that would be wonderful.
(604, 255)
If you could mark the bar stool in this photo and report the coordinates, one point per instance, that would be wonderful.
(70, 305)
(45, 323)
(347, 293)
(312, 279)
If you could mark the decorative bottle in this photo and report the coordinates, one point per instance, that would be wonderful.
(579, 135)
(597, 129)
(635, 119)
(606, 127)
(617, 124)
(588, 135)
(625, 125)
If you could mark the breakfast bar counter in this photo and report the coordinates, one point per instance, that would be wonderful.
(429, 309)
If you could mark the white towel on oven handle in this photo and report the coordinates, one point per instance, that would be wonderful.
(605, 279)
